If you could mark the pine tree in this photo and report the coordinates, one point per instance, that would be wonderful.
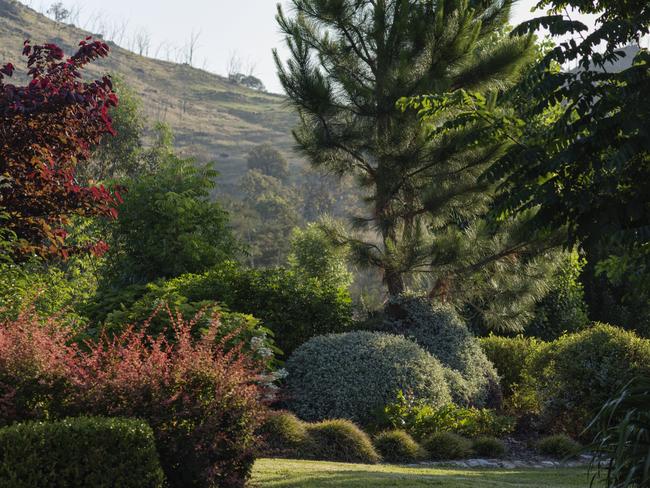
(351, 62)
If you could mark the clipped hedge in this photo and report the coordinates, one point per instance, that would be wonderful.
(559, 446)
(340, 440)
(356, 374)
(293, 307)
(79, 452)
(576, 374)
(441, 331)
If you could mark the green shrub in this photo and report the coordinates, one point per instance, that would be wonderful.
(578, 373)
(355, 375)
(444, 446)
(397, 446)
(340, 440)
(510, 356)
(563, 310)
(559, 446)
(489, 447)
(293, 307)
(421, 419)
(49, 288)
(78, 452)
(441, 331)
(284, 434)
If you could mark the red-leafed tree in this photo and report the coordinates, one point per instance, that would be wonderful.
(47, 128)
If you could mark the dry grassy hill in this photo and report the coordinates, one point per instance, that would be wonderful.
(213, 118)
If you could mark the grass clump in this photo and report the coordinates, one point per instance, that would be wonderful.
(558, 446)
(341, 440)
(284, 435)
(489, 447)
(397, 446)
(443, 446)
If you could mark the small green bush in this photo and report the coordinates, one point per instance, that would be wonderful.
(355, 375)
(284, 434)
(340, 440)
(444, 446)
(559, 446)
(511, 356)
(421, 419)
(441, 332)
(293, 307)
(563, 310)
(489, 447)
(397, 446)
(576, 375)
(79, 452)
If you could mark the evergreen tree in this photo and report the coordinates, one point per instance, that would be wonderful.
(352, 61)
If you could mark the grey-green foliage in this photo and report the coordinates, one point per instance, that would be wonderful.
(354, 375)
(439, 330)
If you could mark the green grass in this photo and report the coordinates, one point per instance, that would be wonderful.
(280, 473)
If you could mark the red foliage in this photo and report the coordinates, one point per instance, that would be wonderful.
(46, 128)
(203, 401)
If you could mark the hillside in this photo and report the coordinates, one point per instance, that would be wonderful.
(213, 119)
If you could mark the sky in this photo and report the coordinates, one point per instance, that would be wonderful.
(226, 29)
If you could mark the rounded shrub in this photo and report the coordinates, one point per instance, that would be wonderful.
(576, 374)
(489, 447)
(284, 434)
(441, 331)
(340, 440)
(443, 446)
(397, 446)
(356, 374)
(84, 451)
(559, 446)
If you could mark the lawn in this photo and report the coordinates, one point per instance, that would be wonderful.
(280, 473)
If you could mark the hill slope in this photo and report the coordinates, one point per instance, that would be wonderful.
(212, 118)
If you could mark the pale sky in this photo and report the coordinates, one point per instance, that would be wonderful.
(225, 27)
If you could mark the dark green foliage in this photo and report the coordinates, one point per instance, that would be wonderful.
(441, 332)
(422, 419)
(351, 62)
(443, 446)
(488, 447)
(511, 357)
(79, 452)
(623, 439)
(293, 308)
(397, 446)
(122, 154)
(575, 375)
(579, 150)
(168, 226)
(341, 440)
(563, 309)
(355, 375)
(269, 161)
(284, 434)
(558, 446)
